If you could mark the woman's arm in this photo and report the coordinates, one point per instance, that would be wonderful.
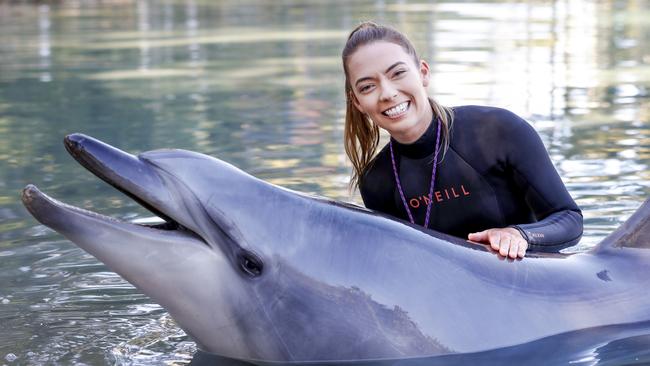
(557, 231)
(559, 220)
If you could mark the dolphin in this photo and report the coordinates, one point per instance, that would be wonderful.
(255, 272)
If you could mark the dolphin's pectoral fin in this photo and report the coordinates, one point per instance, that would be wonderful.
(634, 233)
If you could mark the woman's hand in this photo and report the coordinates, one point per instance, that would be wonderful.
(507, 241)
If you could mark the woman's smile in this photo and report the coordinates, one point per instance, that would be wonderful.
(397, 111)
(389, 87)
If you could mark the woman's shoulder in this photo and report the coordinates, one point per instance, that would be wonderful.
(483, 123)
(502, 133)
(376, 184)
(486, 115)
(380, 165)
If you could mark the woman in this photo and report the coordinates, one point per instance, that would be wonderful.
(488, 178)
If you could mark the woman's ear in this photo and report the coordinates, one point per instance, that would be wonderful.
(425, 73)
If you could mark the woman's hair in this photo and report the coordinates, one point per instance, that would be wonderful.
(361, 136)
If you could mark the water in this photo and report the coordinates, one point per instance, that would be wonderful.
(260, 85)
(608, 345)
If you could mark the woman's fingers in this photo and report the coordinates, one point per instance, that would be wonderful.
(514, 249)
(507, 241)
(522, 249)
(504, 244)
(479, 237)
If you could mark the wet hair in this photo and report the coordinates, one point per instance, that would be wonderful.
(361, 135)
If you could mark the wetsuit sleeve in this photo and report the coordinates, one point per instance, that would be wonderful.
(559, 222)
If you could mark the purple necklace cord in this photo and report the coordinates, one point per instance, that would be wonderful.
(433, 179)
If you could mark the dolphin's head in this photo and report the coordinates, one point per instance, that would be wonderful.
(225, 207)
(211, 241)
(248, 269)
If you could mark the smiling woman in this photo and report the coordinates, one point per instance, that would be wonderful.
(512, 197)
(394, 98)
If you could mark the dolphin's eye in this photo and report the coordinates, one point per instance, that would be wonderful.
(250, 264)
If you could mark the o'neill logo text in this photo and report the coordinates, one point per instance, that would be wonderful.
(446, 194)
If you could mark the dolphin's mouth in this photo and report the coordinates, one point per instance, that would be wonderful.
(58, 215)
(140, 181)
(117, 168)
(126, 172)
(121, 170)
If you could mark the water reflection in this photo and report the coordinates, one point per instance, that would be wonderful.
(260, 85)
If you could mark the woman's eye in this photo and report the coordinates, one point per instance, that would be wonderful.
(399, 73)
(365, 88)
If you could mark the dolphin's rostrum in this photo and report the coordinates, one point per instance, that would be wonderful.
(256, 272)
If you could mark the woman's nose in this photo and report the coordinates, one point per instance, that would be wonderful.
(388, 92)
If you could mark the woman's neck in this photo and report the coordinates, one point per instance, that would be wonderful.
(413, 134)
(422, 146)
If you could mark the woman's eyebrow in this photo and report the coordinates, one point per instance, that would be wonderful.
(394, 66)
(385, 72)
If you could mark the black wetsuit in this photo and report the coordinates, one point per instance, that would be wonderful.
(496, 173)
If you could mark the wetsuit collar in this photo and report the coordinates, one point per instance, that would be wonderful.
(423, 147)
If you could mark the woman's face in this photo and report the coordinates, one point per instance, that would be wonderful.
(391, 89)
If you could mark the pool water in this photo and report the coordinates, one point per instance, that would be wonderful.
(260, 85)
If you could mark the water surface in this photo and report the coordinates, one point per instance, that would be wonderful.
(260, 85)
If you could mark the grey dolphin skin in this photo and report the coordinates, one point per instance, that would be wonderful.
(255, 272)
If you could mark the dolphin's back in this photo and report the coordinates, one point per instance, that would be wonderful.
(634, 233)
(406, 275)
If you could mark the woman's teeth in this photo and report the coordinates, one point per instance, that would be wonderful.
(396, 110)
